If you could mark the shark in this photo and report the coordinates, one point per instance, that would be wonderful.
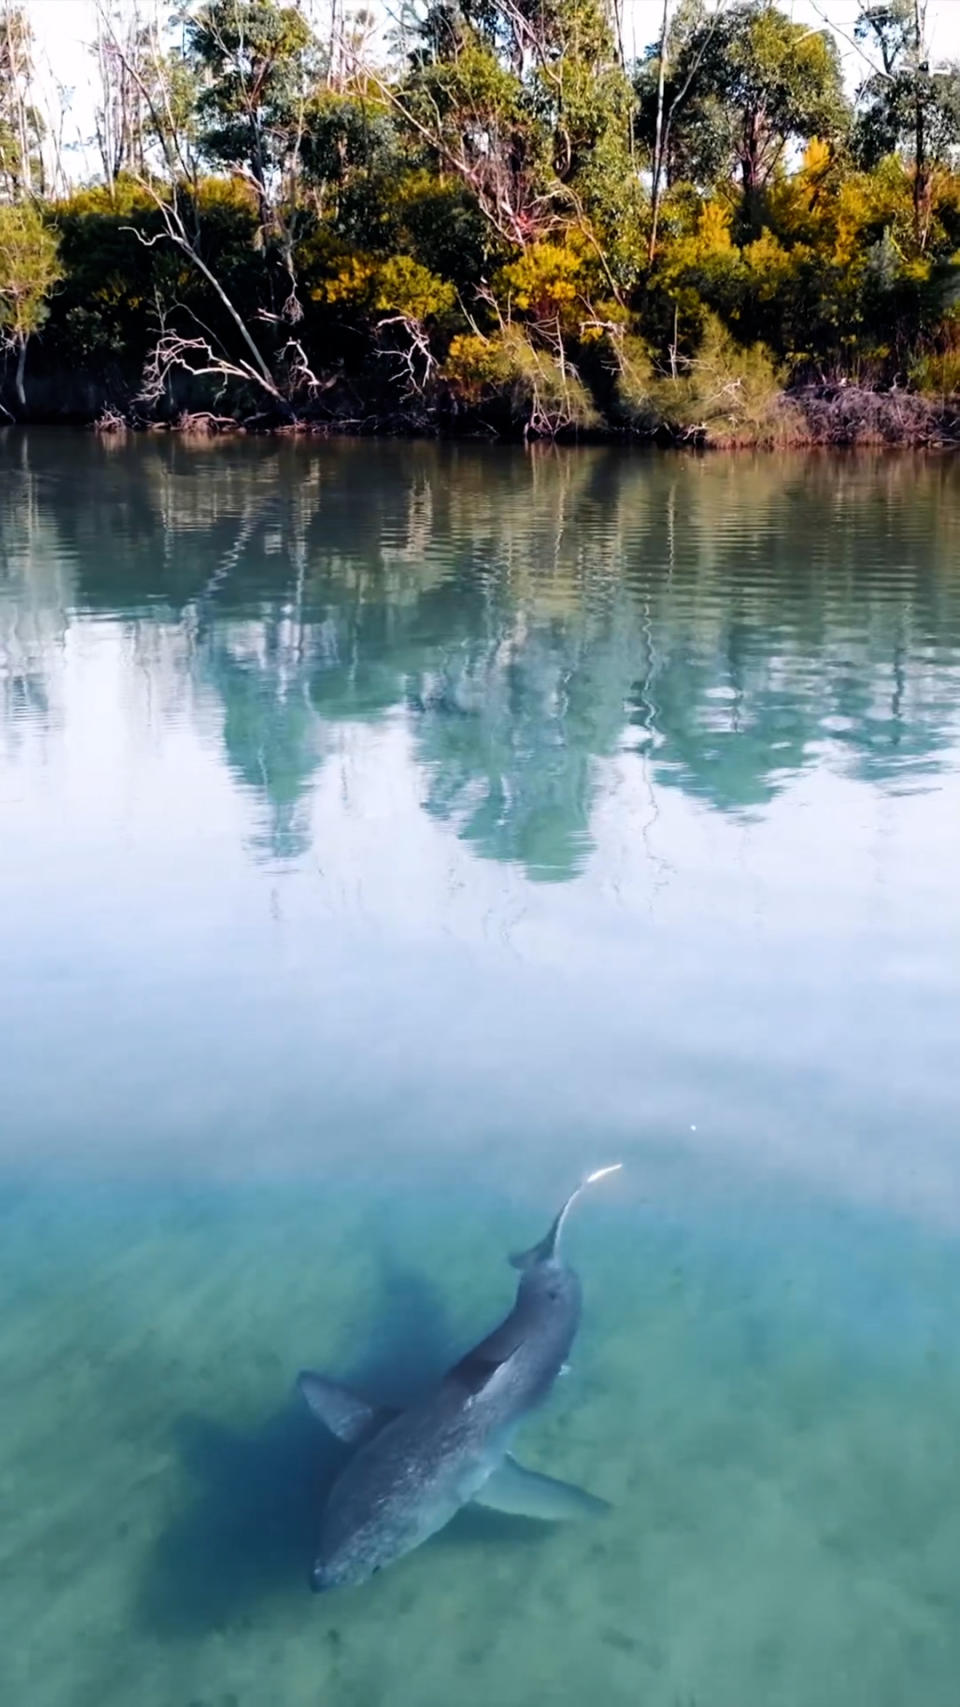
(412, 1470)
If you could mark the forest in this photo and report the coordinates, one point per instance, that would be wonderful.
(493, 220)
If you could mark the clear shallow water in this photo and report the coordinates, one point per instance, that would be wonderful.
(386, 834)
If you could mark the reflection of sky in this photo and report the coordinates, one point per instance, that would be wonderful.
(290, 740)
(786, 984)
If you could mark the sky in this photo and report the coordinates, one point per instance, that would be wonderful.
(63, 30)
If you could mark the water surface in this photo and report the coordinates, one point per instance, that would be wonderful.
(387, 833)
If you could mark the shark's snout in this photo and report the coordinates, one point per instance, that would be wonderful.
(326, 1575)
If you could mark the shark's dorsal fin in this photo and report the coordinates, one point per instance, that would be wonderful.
(546, 1249)
(347, 1415)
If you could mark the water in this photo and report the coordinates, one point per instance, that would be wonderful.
(388, 834)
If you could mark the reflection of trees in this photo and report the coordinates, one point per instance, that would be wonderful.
(507, 731)
(35, 596)
(737, 618)
(814, 595)
(273, 740)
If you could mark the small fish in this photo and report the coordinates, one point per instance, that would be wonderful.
(413, 1470)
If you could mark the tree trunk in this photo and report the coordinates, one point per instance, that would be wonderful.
(920, 139)
(751, 164)
(18, 379)
(656, 185)
(920, 179)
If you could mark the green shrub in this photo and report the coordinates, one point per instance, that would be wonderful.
(726, 394)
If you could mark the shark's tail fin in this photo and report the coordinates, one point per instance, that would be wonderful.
(546, 1249)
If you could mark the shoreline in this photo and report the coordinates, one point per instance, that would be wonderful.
(833, 417)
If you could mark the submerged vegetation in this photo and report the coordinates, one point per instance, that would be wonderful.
(494, 222)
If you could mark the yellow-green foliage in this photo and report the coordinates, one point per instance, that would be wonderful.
(399, 285)
(230, 195)
(636, 387)
(725, 394)
(126, 197)
(351, 282)
(770, 266)
(800, 204)
(936, 373)
(476, 366)
(29, 269)
(538, 385)
(547, 282)
(129, 196)
(403, 286)
(708, 243)
(703, 264)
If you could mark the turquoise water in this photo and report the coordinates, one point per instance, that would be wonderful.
(388, 834)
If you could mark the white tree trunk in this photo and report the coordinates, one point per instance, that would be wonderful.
(21, 365)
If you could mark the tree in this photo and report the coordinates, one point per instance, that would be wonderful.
(120, 119)
(257, 63)
(29, 269)
(653, 77)
(742, 86)
(905, 106)
(179, 198)
(146, 113)
(527, 103)
(21, 127)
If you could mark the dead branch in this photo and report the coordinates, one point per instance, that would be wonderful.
(176, 231)
(110, 420)
(301, 374)
(197, 357)
(414, 352)
(203, 423)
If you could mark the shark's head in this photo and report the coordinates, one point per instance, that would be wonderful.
(550, 1285)
(369, 1521)
(347, 1557)
(548, 1297)
(339, 1573)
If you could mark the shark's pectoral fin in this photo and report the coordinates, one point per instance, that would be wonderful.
(343, 1412)
(525, 1493)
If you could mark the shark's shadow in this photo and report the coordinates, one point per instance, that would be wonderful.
(248, 1533)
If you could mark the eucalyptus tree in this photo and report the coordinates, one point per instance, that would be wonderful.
(906, 105)
(21, 125)
(741, 85)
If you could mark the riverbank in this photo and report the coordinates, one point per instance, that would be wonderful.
(841, 415)
(813, 417)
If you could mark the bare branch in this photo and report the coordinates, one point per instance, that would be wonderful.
(851, 40)
(194, 356)
(176, 231)
(416, 349)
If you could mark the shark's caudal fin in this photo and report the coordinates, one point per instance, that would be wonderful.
(525, 1493)
(547, 1247)
(342, 1411)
